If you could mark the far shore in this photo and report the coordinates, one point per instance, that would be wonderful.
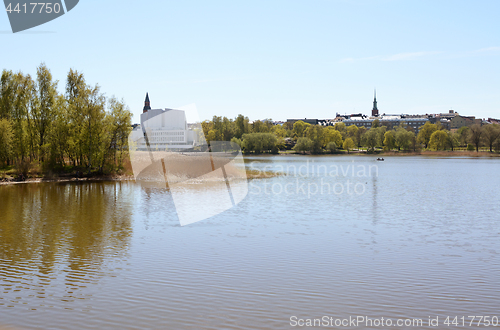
(381, 153)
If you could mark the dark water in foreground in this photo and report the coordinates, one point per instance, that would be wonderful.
(414, 237)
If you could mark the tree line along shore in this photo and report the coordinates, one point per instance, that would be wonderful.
(80, 132)
(83, 133)
(262, 136)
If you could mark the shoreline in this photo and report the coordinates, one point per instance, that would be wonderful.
(251, 174)
(441, 153)
(66, 179)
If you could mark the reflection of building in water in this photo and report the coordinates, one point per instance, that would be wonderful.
(165, 129)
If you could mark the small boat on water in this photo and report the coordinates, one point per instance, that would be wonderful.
(380, 159)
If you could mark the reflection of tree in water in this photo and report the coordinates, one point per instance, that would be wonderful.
(61, 233)
(157, 205)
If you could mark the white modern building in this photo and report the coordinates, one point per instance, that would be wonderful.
(166, 130)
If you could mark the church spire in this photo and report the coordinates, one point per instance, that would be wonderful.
(375, 109)
(147, 105)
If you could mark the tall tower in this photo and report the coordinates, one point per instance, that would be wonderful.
(147, 105)
(375, 109)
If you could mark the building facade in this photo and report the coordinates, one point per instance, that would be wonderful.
(305, 120)
(165, 129)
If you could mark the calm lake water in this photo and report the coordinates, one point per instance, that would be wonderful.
(408, 238)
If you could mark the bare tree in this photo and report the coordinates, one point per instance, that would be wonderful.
(475, 134)
(491, 133)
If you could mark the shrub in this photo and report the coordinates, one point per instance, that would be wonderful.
(303, 144)
(23, 168)
(259, 142)
(331, 147)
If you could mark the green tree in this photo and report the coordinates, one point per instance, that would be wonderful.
(260, 126)
(315, 133)
(7, 90)
(389, 140)
(288, 125)
(119, 121)
(5, 141)
(331, 147)
(59, 136)
(76, 94)
(380, 135)
(341, 128)
(352, 131)
(279, 131)
(206, 126)
(259, 142)
(237, 141)
(348, 144)
(43, 113)
(218, 126)
(299, 128)
(45, 126)
(24, 92)
(241, 126)
(228, 129)
(425, 133)
(359, 136)
(330, 134)
(438, 140)
(403, 138)
(280, 145)
(93, 127)
(213, 135)
(303, 145)
(370, 139)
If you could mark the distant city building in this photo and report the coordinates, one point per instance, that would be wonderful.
(447, 115)
(305, 120)
(458, 121)
(327, 122)
(375, 109)
(390, 121)
(450, 120)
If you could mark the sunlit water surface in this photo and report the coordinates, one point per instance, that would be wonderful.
(413, 237)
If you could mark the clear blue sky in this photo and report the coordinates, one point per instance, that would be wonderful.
(275, 59)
